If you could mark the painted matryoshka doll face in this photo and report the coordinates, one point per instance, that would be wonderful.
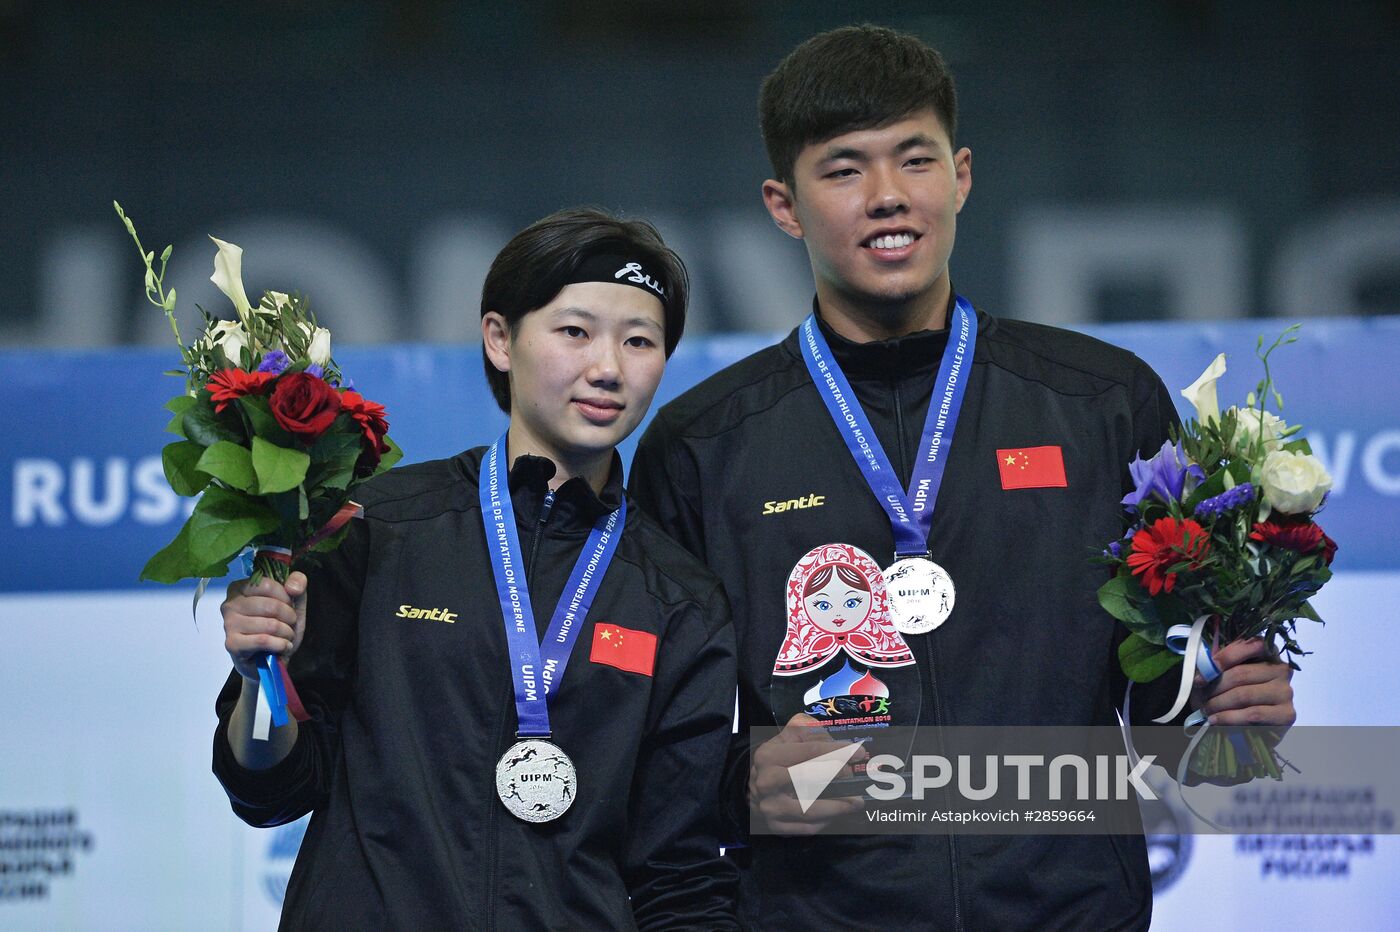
(837, 598)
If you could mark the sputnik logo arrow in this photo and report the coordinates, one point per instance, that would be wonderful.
(810, 777)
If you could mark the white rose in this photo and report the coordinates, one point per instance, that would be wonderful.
(1294, 483)
(319, 351)
(279, 301)
(1201, 392)
(228, 275)
(230, 337)
(1248, 429)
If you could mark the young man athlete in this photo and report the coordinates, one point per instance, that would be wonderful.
(860, 126)
(484, 749)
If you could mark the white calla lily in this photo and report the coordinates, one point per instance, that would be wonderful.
(228, 275)
(1201, 392)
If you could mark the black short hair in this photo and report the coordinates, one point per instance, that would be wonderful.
(542, 258)
(853, 78)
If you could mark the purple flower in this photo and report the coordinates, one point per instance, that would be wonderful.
(348, 385)
(274, 362)
(316, 370)
(1226, 501)
(1163, 476)
(1115, 549)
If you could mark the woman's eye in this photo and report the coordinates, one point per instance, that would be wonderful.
(852, 602)
(823, 605)
(642, 342)
(572, 331)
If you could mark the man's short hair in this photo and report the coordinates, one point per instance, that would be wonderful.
(545, 256)
(853, 78)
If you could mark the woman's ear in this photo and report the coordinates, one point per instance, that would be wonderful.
(495, 340)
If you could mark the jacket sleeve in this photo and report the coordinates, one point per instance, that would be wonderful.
(665, 482)
(674, 871)
(322, 670)
(1154, 416)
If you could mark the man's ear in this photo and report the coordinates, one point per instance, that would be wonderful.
(781, 200)
(495, 340)
(962, 167)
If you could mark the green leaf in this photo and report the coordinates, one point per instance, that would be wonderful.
(180, 460)
(1124, 599)
(278, 468)
(1144, 661)
(344, 440)
(178, 405)
(205, 427)
(264, 424)
(230, 463)
(1300, 445)
(174, 562)
(389, 459)
(1307, 611)
(224, 522)
(165, 254)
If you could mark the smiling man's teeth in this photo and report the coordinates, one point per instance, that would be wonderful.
(897, 241)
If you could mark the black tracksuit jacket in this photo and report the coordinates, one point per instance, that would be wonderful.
(1026, 644)
(410, 715)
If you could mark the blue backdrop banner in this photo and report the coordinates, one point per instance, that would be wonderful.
(84, 501)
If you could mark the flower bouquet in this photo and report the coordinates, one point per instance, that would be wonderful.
(273, 440)
(1221, 545)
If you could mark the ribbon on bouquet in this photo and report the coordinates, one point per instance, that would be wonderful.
(277, 694)
(1187, 641)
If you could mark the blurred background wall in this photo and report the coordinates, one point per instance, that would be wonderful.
(1140, 159)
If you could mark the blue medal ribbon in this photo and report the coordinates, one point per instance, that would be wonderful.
(910, 511)
(537, 666)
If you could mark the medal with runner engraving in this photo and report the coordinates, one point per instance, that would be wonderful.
(921, 594)
(920, 591)
(535, 779)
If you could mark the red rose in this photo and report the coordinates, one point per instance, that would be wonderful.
(1329, 548)
(1163, 544)
(229, 384)
(304, 405)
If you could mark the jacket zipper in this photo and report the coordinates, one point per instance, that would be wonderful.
(936, 706)
(491, 824)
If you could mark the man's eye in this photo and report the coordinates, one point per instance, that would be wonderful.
(842, 173)
(920, 161)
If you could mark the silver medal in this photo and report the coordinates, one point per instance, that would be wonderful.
(921, 594)
(536, 780)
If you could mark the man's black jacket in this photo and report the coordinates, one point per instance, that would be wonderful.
(1027, 642)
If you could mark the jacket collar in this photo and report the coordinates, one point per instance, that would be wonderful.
(917, 353)
(576, 506)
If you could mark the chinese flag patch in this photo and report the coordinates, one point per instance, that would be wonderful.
(1032, 468)
(616, 646)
